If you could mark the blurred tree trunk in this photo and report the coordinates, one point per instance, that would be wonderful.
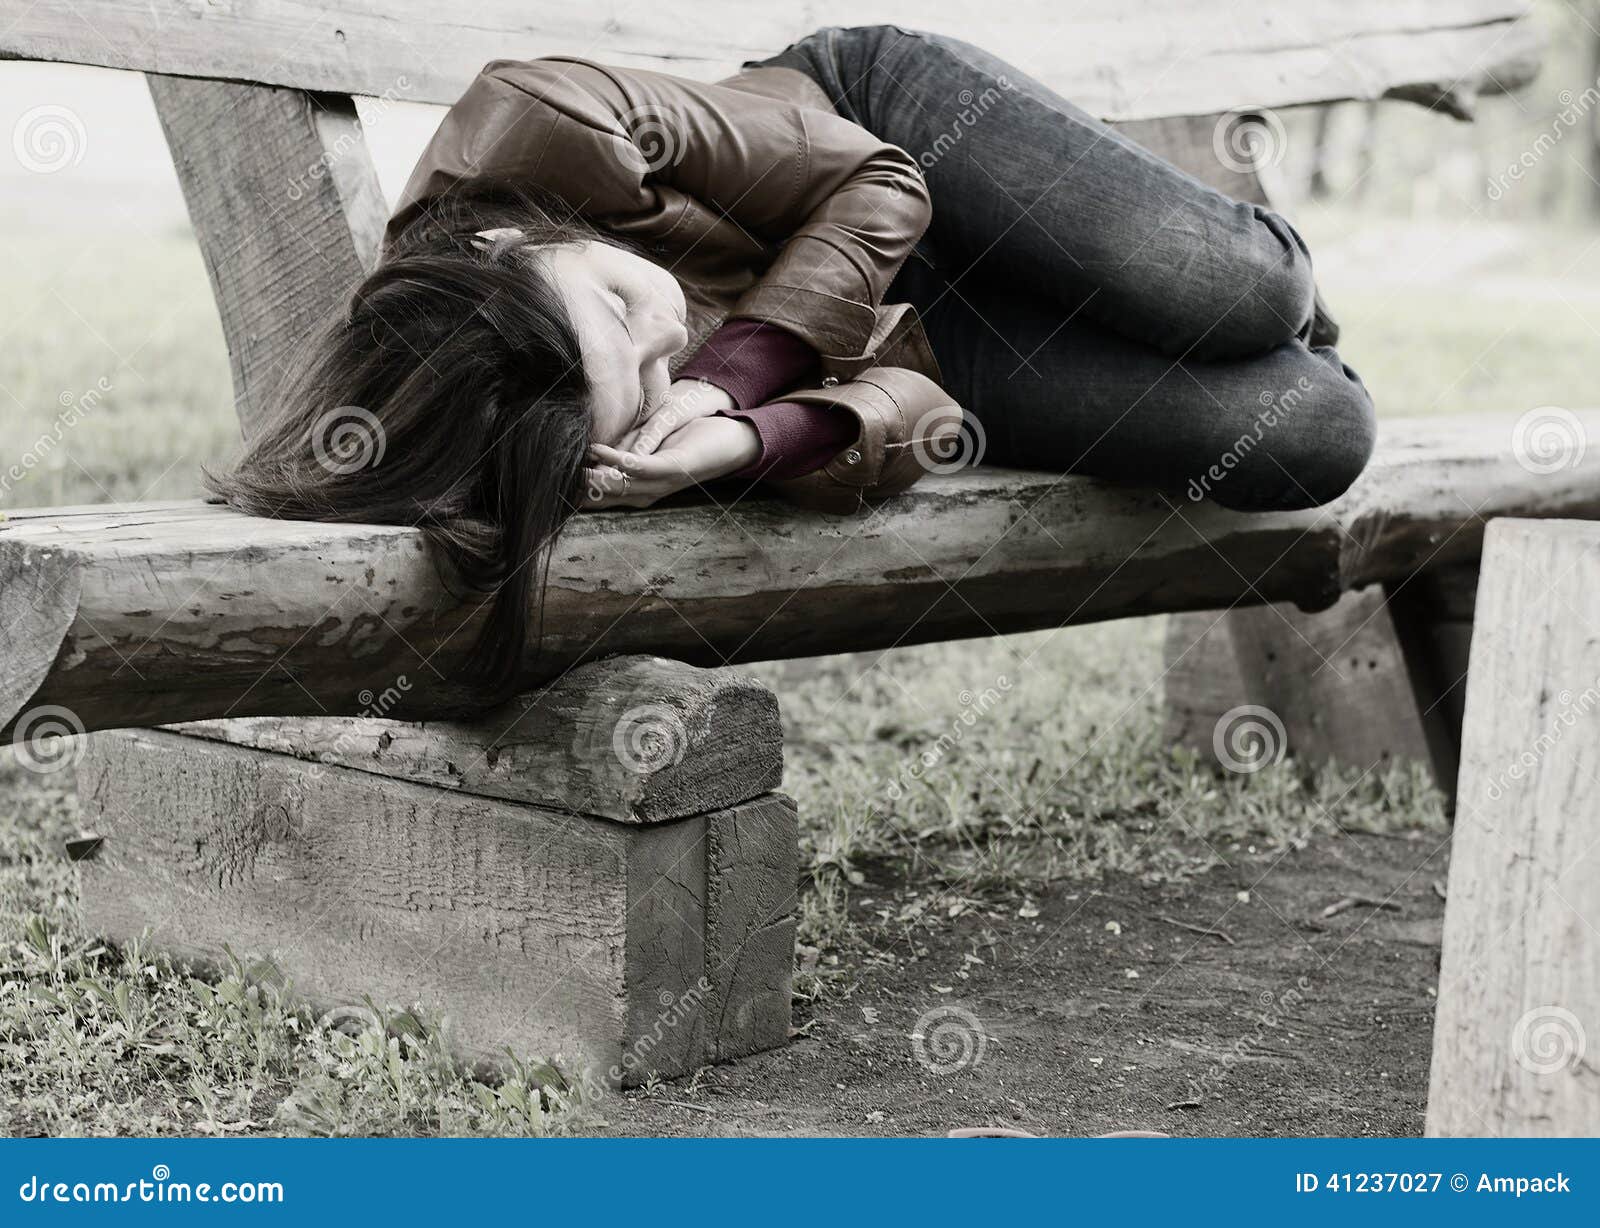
(1367, 147)
(1325, 150)
(1317, 185)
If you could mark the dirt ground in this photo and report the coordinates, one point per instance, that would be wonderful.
(1093, 1009)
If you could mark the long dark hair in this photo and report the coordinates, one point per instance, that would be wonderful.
(449, 393)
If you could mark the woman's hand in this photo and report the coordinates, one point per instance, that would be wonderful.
(701, 450)
(685, 401)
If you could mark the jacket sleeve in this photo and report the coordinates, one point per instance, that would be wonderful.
(907, 427)
(843, 208)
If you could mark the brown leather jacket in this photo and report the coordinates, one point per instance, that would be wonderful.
(760, 199)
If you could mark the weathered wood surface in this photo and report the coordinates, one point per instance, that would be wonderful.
(635, 739)
(622, 950)
(1516, 1047)
(141, 616)
(1378, 678)
(1162, 57)
(287, 209)
(1433, 615)
(1334, 681)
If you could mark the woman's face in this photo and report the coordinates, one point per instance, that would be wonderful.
(629, 316)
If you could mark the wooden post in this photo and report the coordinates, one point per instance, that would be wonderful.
(1516, 1047)
(1432, 613)
(598, 874)
(1335, 680)
(287, 209)
(1377, 678)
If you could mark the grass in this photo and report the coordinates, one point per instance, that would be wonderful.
(1002, 765)
(103, 1040)
(1506, 340)
(125, 334)
(970, 768)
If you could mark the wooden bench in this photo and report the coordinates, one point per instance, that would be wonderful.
(603, 870)
(1516, 1049)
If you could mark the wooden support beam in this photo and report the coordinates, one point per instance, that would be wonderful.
(1334, 683)
(1516, 1047)
(140, 616)
(622, 950)
(287, 209)
(1376, 679)
(1433, 614)
(632, 739)
(1162, 57)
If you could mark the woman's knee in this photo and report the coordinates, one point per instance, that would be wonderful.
(1314, 437)
(1269, 296)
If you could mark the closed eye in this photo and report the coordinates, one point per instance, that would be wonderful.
(621, 308)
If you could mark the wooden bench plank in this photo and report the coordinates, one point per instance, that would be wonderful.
(1514, 1044)
(128, 621)
(1164, 57)
(287, 209)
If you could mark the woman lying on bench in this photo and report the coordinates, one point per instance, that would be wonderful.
(797, 275)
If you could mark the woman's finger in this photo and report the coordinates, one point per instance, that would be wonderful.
(608, 486)
(656, 466)
(661, 424)
(615, 458)
(597, 486)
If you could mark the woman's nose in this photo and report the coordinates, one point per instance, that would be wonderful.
(673, 336)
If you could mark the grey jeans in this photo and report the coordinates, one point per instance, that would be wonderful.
(1095, 309)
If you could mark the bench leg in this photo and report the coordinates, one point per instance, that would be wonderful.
(1376, 679)
(1516, 1046)
(618, 949)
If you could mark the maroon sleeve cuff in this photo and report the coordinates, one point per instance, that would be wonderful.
(751, 361)
(796, 439)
